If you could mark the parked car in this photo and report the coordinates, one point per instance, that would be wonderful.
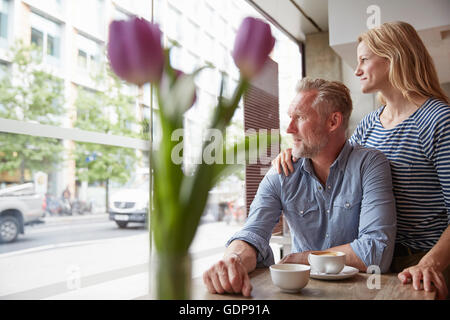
(130, 204)
(19, 205)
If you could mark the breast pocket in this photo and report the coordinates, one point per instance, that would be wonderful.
(346, 211)
(302, 208)
(304, 213)
(306, 223)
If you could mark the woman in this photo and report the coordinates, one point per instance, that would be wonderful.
(412, 128)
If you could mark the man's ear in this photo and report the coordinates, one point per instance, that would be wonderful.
(335, 121)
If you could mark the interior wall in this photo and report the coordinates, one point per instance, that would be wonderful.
(321, 61)
(446, 87)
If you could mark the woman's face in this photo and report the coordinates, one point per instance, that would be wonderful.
(372, 70)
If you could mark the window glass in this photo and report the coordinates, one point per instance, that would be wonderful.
(4, 7)
(37, 37)
(52, 46)
(70, 244)
(69, 239)
(82, 59)
(215, 27)
(89, 55)
(46, 34)
(79, 157)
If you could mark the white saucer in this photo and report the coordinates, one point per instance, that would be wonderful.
(347, 272)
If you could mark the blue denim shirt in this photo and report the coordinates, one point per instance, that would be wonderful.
(355, 206)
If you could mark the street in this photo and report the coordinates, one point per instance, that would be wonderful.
(59, 230)
(89, 257)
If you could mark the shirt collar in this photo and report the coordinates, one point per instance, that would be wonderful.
(339, 163)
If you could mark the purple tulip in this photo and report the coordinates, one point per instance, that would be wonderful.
(252, 46)
(135, 51)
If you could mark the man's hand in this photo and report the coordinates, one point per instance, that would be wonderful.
(284, 161)
(228, 276)
(429, 275)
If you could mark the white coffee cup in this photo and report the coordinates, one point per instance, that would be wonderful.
(326, 261)
(290, 277)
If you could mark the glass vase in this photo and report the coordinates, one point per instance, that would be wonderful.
(170, 276)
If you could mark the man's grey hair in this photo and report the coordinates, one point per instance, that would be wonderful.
(331, 96)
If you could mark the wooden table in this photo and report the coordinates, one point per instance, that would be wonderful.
(354, 288)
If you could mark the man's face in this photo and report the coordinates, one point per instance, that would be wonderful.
(306, 126)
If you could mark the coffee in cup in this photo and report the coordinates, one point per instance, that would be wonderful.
(326, 261)
(326, 253)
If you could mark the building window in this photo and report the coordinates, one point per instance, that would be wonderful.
(46, 35)
(4, 8)
(89, 52)
(52, 46)
(82, 59)
(37, 37)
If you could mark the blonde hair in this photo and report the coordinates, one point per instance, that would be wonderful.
(331, 96)
(411, 70)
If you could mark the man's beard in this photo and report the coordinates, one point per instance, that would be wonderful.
(310, 150)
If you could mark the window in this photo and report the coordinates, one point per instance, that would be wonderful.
(52, 46)
(46, 34)
(4, 10)
(37, 37)
(88, 137)
(81, 135)
(89, 53)
(82, 59)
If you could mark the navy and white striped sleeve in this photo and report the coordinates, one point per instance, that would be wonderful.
(436, 142)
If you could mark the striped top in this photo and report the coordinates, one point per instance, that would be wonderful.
(419, 153)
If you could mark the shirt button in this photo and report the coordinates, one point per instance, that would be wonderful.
(329, 187)
(328, 211)
(327, 235)
(301, 211)
(347, 205)
(320, 188)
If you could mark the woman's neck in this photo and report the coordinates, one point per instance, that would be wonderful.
(398, 107)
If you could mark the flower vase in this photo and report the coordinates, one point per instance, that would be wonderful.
(171, 276)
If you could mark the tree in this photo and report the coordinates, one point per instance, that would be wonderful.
(29, 93)
(107, 110)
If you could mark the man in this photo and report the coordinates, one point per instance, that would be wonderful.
(339, 197)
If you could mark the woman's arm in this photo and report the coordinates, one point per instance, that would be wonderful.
(430, 267)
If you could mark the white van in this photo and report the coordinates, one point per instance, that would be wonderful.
(131, 203)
